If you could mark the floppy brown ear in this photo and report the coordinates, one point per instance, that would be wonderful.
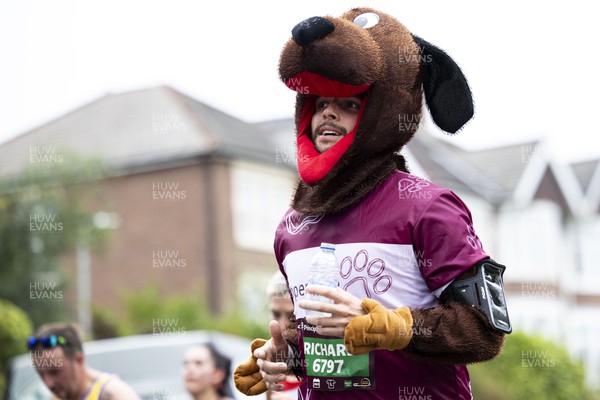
(447, 92)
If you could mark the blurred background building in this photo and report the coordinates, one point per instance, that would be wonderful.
(194, 195)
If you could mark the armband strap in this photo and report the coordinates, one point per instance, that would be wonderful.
(247, 376)
(380, 328)
(484, 290)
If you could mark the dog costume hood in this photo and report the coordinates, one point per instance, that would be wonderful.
(365, 52)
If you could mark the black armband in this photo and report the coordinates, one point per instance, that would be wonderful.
(485, 291)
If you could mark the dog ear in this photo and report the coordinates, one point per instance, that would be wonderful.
(447, 92)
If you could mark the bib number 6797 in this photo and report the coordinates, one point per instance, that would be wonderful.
(327, 366)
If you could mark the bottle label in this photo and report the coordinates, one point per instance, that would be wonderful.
(330, 367)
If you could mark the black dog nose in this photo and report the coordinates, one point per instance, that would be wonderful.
(311, 29)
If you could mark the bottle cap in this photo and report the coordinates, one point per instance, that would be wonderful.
(327, 246)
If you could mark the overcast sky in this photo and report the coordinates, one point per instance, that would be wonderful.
(532, 65)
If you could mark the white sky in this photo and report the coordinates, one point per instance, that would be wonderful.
(532, 65)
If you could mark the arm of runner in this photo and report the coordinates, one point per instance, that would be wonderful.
(470, 339)
(454, 333)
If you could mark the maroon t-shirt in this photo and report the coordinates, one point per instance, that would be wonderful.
(401, 245)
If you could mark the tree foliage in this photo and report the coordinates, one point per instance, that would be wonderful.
(41, 218)
(529, 368)
(14, 331)
(146, 311)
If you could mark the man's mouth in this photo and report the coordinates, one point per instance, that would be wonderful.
(329, 131)
(327, 135)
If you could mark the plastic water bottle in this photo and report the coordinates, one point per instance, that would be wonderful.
(324, 270)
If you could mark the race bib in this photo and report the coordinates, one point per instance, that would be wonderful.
(330, 367)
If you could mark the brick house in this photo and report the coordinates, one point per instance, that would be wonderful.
(183, 176)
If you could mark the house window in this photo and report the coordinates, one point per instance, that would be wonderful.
(260, 196)
(533, 243)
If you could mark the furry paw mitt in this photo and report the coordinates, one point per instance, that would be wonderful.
(247, 377)
(380, 328)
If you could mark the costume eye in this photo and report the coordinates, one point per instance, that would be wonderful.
(367, 20)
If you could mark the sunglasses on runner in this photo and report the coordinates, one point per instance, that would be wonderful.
(47, 342)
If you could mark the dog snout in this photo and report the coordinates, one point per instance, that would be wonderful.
(311, 29)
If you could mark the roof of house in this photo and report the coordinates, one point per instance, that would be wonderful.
(489, 174)
(588, 175)
(584, 171)
(138, 128)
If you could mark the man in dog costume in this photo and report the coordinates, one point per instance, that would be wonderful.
(418, 298)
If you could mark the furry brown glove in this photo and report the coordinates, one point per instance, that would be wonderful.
(381, 328)
(247, 377)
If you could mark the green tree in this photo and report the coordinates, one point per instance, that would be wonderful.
(14, 331)
(529, 368)
(42, 218)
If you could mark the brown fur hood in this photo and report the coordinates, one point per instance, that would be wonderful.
(366, 51)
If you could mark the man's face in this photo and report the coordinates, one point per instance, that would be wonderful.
(59, 373)
(282, 310)
(333, 119)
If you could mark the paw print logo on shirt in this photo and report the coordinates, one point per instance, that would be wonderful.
(365, 275)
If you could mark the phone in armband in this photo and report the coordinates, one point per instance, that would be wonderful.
(485, 291)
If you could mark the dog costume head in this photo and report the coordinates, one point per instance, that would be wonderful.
(365, 52)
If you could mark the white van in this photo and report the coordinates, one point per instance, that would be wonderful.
(151, 364)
